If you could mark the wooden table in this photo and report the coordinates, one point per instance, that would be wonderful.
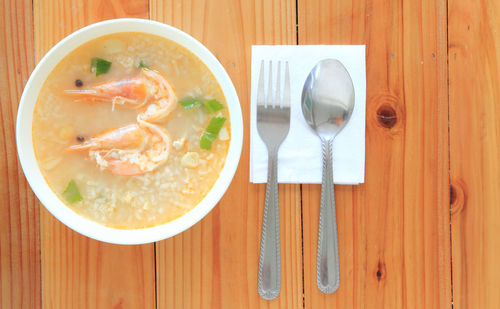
(420, 233)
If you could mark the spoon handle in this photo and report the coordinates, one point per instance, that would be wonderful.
(328, 274)
(269, 259)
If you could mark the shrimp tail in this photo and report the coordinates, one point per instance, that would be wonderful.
(122, 168)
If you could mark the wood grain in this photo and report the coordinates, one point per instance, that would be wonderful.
(78, 271)
(214, 264)
(474, 70)
(394, 237)
(19, 216)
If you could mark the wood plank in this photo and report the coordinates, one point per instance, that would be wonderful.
(474, 70)
(393, 230)
(19, 210)
(214, 264)
(78, 271)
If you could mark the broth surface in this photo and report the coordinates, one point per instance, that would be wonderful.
(152, 198)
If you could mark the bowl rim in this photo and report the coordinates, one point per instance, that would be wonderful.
(47, 196)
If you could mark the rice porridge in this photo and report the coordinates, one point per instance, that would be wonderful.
(131, 130)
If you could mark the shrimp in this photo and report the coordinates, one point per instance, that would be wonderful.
(164, 98)
(130, 150)
(148, 90)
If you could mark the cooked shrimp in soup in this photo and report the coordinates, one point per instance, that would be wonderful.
(130, 150)
(131, 130)
(147, 89)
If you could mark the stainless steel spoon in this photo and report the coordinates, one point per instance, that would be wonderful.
(327, 104)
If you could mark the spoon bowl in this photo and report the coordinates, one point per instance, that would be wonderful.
(327, 105)
(328, 98)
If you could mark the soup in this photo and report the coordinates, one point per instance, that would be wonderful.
(131, 130)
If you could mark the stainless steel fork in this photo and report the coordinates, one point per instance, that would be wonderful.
(273, 123)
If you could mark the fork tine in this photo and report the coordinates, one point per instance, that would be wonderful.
(270, 88)
(260, 89)
(286, 90)
(277, 99)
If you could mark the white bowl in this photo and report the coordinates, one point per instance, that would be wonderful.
(27, 155)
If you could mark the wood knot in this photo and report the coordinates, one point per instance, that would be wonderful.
(453, 194)
(380, 273)
(119, 304)
(389, 112)
(458, 196)
(386, 116)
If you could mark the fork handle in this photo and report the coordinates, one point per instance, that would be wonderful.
(328, 274)
(269, 258)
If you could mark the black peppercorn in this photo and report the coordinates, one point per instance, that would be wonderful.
(78, 83)
(80, 138)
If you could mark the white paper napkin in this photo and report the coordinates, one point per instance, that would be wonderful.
(299, 157)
